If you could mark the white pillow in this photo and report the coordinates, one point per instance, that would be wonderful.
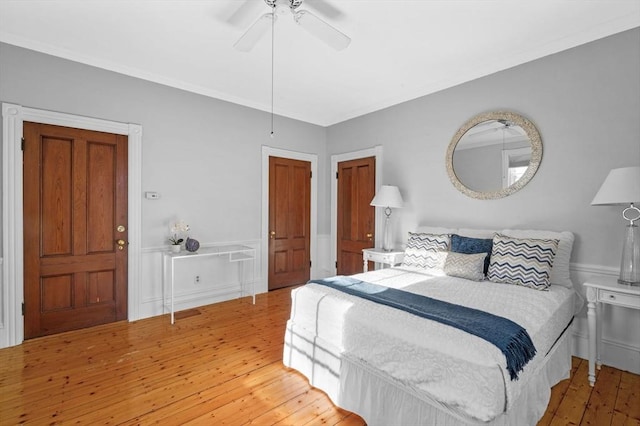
(560, 274)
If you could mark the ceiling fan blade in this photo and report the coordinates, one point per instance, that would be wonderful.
(255, 32)
(320, 29)
(325, 8)
(247, 10)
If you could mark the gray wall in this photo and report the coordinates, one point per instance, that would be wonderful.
(585, 103)
(203, 155)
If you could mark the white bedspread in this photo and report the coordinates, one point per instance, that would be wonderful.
(463, 372)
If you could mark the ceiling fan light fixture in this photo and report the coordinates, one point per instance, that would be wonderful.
(322, 30)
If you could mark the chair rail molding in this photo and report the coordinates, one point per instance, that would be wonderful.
(13, 117)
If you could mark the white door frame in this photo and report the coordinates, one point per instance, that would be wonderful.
(267, 152)
(376, 152)
(13, 117)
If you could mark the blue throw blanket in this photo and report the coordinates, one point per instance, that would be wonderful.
(506, 335)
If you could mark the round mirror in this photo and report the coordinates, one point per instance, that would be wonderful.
(494, 155)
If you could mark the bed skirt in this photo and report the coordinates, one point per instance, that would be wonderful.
(381, 400)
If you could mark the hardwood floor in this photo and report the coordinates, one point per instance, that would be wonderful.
(220, 364)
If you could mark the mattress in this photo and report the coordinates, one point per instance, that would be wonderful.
(461, 372)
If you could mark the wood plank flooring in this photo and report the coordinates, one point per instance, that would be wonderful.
(221, 364)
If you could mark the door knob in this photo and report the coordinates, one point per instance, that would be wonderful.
(121, 243)
(369, 236)
(272, 234)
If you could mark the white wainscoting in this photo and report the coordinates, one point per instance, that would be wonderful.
(326, 265)
(620, 337)
(3, 333)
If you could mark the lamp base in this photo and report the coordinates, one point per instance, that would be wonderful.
(630, 264)
(387, 241)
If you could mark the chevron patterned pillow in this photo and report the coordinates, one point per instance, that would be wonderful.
(522, 261)
(426, 250)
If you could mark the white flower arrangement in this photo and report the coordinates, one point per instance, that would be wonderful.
(177, 230)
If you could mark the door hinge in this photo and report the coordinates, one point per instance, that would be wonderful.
(309, 264)
(22, 308)
(336, 264)
(22, 144)
(336, 175)
(310, 175)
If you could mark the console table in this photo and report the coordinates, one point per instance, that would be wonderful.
(236, 253)
(604, 290)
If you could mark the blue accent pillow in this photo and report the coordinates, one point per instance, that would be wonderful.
(468, 245)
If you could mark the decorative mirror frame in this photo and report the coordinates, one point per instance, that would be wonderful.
(536, 153)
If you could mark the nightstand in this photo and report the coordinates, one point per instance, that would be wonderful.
(601, 290)
(378, 255)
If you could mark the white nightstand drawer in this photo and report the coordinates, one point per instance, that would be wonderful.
(617, 298)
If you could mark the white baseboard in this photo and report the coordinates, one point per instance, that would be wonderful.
(614, 354)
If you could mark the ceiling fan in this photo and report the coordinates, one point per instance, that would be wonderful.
(492, 126)
(307, 20)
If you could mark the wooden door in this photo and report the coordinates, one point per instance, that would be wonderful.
(289, 222)
(356, 217)
(75, 228)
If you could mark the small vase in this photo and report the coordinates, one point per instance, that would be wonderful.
(192, 245)
(175, 248)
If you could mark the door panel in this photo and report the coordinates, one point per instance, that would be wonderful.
(100, 201)
(356, 218)
(289, 222)
(56, 196)
(75, 196)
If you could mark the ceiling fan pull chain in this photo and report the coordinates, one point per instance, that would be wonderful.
(273, 18)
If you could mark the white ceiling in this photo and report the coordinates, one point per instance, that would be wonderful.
(400, 50)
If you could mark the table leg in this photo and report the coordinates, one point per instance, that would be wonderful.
(598, 335)
(253, 277)
(173, 320)
(365, 265)
(592, 320)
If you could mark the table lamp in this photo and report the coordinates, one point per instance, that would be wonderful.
(388, 197)
(622, 187)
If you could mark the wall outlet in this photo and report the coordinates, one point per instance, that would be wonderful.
(197, 279)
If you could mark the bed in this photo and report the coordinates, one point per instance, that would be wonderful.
(393, 367)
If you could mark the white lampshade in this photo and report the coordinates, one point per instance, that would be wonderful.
(388, 196)
(622, 186)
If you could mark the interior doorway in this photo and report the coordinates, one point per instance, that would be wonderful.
(13, 118)
(316, 266)
(75, 228)
(355, 216)
(289, 222)
(356, 259)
